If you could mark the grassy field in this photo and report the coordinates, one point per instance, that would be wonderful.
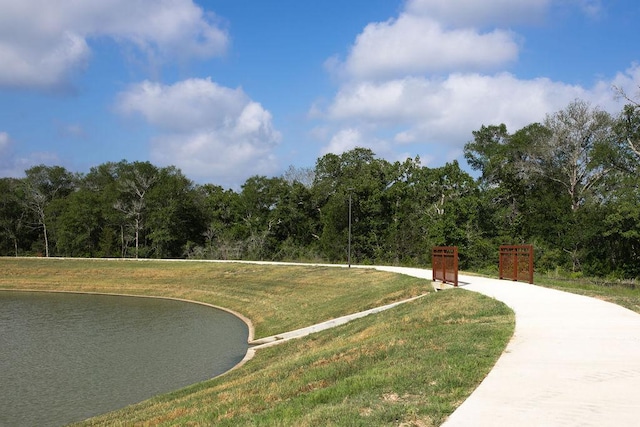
(411, 365)
(623, 293)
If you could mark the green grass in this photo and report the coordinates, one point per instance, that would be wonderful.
(411, 365)
(623, 293)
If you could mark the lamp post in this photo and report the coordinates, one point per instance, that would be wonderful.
(349, 245)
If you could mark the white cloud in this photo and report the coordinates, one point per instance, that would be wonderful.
(416, 45)
(421, 82)
(42, 66)
(628, 82)
(185, 105)
(42, 41)
(344, 140)
(214, 157)
(351, 137)
(442, 113)
(440, 103)
(213, 133)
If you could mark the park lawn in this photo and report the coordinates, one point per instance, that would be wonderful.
(410, 365)
(623, 293)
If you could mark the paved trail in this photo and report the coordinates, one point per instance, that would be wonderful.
(573, 361)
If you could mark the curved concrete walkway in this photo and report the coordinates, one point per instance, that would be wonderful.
(573, 361)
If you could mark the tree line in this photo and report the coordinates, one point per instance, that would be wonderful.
(568, 185)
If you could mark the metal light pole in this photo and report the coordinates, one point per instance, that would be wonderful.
(349, 247)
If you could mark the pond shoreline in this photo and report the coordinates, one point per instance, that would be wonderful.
(250, 350)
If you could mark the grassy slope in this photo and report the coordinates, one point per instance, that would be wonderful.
(624, 294)
(412, 365)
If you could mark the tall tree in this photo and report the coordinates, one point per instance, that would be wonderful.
(405, 239)
(572, 155)
(173, 217)
(42, 185)
(135, 180)
(359, 175)
(78, 222)
(103, 183)
(218, 207)
(261, 204)
(302, 175)
(12, 215)
(627, 134)
(507, 188)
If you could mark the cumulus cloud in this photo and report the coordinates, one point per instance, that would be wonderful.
(344, 140)
(416, 45)
(43, 42)
(349, 138)
(442, 113)
(213, 133)
(188, 104)
(458, 98)
(425, 80)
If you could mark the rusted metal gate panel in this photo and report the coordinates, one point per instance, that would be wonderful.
(444, 264)
(516, 262)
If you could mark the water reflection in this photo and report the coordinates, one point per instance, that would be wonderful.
(67, 357)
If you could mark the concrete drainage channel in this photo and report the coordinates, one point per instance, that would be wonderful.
(280, 338)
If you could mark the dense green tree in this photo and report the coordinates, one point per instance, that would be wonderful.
(569, 186)
(13, 216)
(405, 239)
(259, 198)
(134, 182)
(218, 207)
(359, 175)
(173, 218)
(451, 212)
(41, 186)
(78, 224)
(572, 154)
(627, 137)
(617, 248)
(102, 182)
(295, 223)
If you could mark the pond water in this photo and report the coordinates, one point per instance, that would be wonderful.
(68, 357)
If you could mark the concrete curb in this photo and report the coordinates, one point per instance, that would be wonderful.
(280, 338)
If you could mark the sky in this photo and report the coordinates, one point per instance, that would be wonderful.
(228, 89)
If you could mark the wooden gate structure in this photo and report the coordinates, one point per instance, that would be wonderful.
(444, 264)
(516, 262)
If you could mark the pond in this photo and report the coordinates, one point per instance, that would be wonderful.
(68, 357)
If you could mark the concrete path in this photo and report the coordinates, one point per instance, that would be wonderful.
(573, 361)
(277, 339)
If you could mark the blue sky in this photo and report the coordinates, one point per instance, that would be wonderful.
(227, 89)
